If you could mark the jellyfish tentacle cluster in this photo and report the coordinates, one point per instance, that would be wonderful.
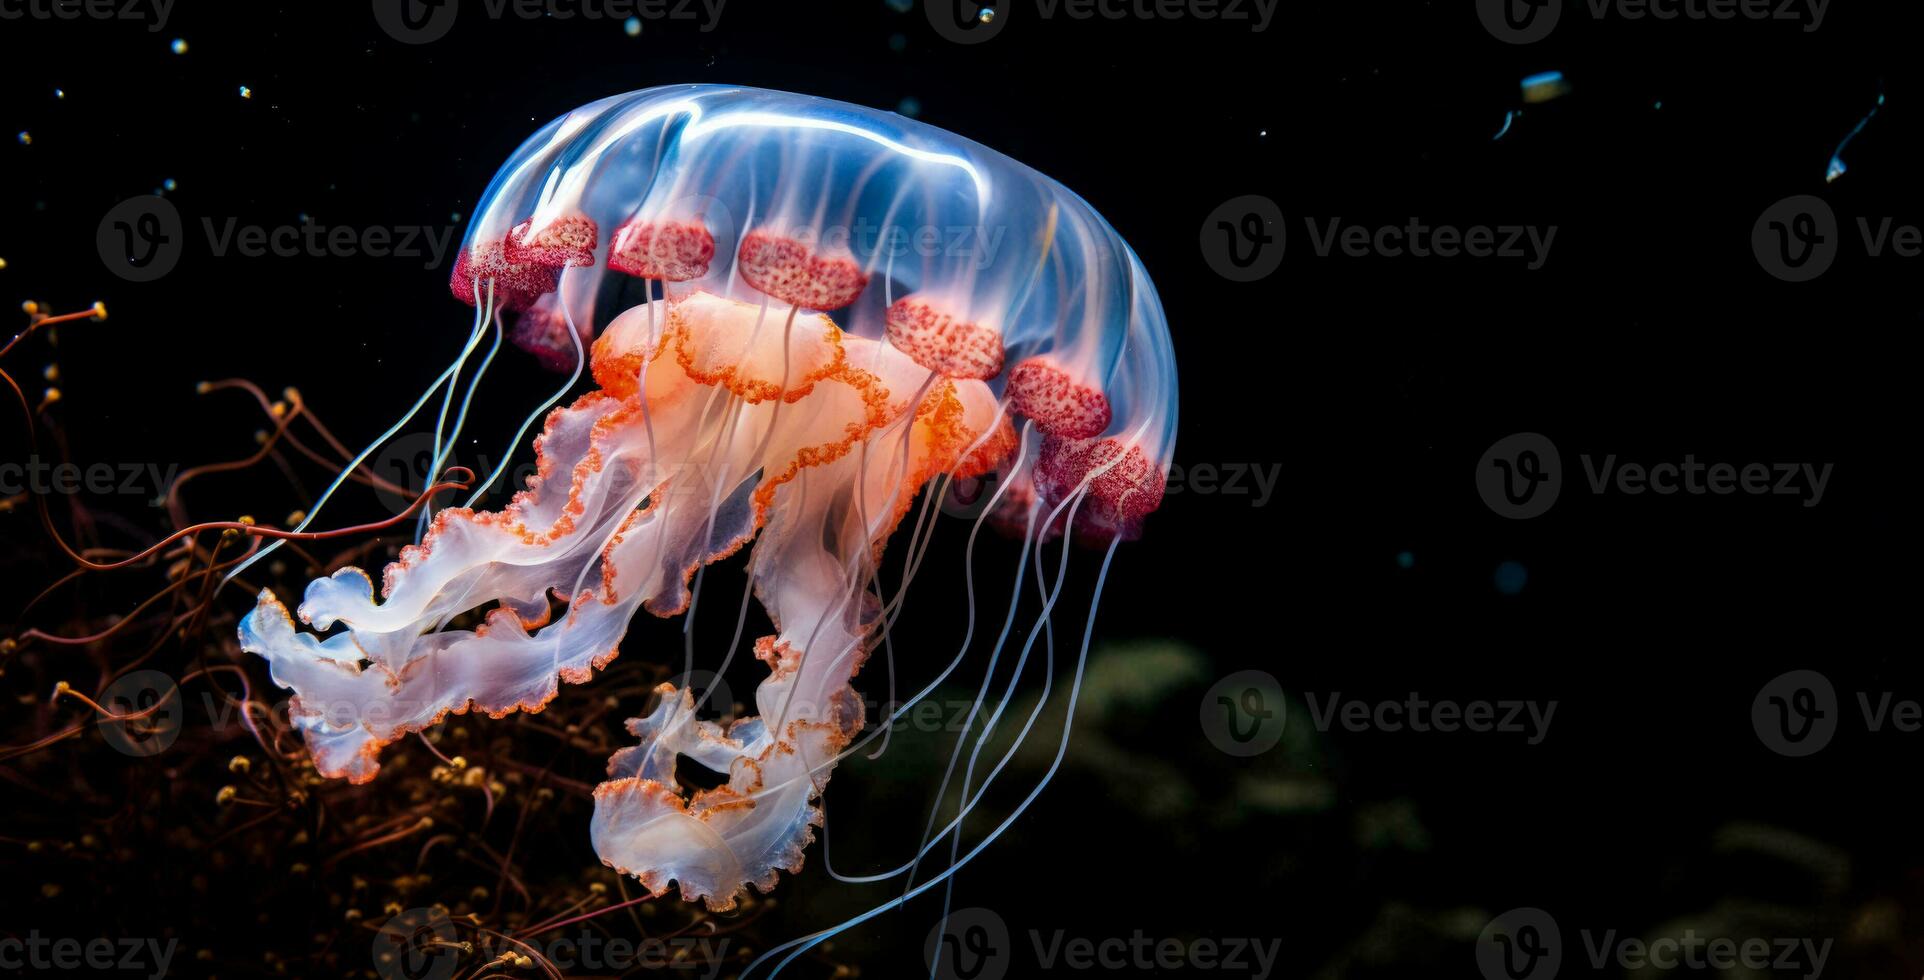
(807, 315)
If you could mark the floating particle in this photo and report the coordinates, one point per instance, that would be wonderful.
(1837, 168)
(169, 184)
(3, 263)
(179, 46)
(898, 42)
(1405, 560)
(910, 106)
(246, 93)
(60, 93)
(901, 6)
(1508, 118)
(986, 15)
(1544, 86)
(1262, 132)
(455, 217)
(1510, 577)
(632, 26)
(1658, 105)
(25, 138)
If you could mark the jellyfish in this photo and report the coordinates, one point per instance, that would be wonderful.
(800, 317)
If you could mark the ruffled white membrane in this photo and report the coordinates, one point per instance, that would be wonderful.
(757, 419)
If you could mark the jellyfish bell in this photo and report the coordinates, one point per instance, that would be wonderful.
(787, 354)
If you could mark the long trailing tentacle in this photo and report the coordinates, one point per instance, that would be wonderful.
(444, 446)
(796, 947)
(581, 360)
(446, 377)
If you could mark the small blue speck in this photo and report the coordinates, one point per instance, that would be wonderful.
(1405, 560)
(1511, 576)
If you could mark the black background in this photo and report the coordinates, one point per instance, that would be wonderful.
(1372, 384)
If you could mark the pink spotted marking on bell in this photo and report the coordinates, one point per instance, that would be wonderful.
(568, 240)
(485, 269)
(1060, 405)
(923, 329)
(785, 268)
(675, 251)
